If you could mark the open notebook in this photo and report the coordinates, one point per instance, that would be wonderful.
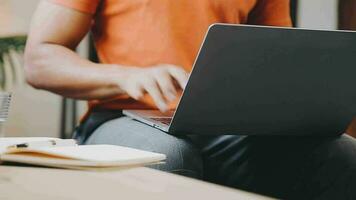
(71, 155)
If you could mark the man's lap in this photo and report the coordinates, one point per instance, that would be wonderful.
(182, 157)
(278, 166)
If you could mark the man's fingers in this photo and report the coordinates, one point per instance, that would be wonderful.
(152, 89)
(135, 91)
(180, 75)
(166, 85)
(158, 82)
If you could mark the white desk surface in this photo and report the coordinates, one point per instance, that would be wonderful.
(132, 183)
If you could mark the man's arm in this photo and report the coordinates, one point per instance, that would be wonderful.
(347, 14)
(51, 63)
(271, 13)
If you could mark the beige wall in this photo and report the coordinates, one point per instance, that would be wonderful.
(15, 16)
(318, 14)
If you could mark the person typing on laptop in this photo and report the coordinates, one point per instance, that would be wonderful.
(146, 51)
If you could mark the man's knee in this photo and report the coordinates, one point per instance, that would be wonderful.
(333, 169)
(340, 151)
(182, 157)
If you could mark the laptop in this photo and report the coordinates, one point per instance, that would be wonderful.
(256, 80)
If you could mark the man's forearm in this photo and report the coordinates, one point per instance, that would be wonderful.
(60, 70)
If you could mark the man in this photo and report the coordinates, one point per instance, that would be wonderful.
(146, 49)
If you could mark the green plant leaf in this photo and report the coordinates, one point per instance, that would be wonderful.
(16, 43)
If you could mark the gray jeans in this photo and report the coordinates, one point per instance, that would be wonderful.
(282, 167)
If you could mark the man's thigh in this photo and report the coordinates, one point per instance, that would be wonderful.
(284, 167)
(182, 157)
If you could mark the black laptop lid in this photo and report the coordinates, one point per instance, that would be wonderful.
(270, 81)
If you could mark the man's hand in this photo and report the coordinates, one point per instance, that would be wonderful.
(160, 82)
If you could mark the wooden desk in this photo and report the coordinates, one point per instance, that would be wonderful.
(134, 183)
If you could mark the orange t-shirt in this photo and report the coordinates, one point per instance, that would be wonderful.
(144, 33)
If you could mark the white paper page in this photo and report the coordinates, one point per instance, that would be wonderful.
(97, 153)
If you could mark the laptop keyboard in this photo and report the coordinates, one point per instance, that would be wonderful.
(163, 120)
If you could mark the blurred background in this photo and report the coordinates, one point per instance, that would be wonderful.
(40, 113)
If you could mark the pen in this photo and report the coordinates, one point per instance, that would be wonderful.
(46, 143)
